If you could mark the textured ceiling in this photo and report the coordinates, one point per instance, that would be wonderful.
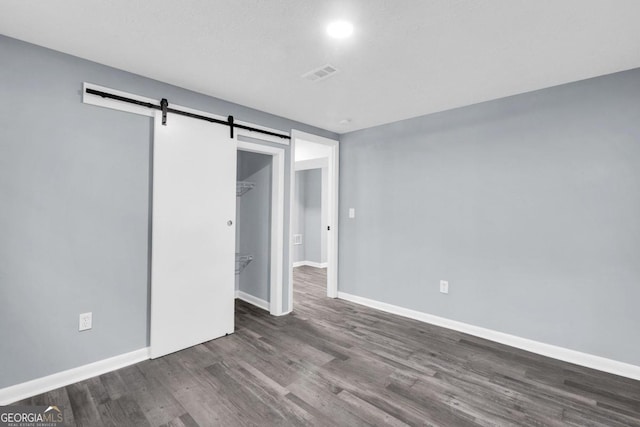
(406, 57)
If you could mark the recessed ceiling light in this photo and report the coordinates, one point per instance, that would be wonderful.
(340, 29)
(345, 121)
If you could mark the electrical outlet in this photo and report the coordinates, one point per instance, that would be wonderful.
(352, 213)
(85, 321)
(444, 286)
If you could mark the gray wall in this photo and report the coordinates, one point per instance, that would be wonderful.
(298, 215)
(74, 219)
(253, 224)
(528, 205)
(308, 215)
(313, 213)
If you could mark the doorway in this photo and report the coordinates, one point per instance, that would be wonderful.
(262, 163)
(314, 210)
(310, 216)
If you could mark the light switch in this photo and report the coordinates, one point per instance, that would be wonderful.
(352, 212)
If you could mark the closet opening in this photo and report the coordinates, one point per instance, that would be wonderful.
(253, 228)
(259, 225)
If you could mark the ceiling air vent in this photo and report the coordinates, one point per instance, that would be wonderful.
(320, 73)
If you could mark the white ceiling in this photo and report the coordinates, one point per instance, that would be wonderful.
(307, 150)
(406, 58)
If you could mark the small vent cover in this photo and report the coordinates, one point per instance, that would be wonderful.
(320, 73)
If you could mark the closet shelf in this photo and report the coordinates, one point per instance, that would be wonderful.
(243, 186)
(242, 260)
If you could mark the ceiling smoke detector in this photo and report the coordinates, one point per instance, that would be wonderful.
(320, 73)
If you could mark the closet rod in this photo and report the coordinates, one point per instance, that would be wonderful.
(165, 109)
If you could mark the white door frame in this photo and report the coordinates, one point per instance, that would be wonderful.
(332, 220)
(277, 219)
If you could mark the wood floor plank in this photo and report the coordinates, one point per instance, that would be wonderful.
(114, 385)
(123, 411)
(371, 414)
(85, 411)
(156, 401)
(204, 405)
(326, 404)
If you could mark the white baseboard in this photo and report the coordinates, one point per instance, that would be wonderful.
(51, 382)
(310, 264)
(572, 356)
(283, 314)
(260, 303)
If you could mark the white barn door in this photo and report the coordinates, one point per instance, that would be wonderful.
(193, 234)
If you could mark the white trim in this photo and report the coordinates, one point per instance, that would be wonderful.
(249, 135)
(258, 302)
(310, 264)
(285, 313)
(332, 220)
(292, 201)
(144, 111)
(321, 163)
(572, 356)
(277, 220)
(51, 382)
(117, 105)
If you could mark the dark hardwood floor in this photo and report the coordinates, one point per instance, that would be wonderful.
(332, 362)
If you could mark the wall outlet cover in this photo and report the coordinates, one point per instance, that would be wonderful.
(352, 212)
(85, 321)
(444, 286)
